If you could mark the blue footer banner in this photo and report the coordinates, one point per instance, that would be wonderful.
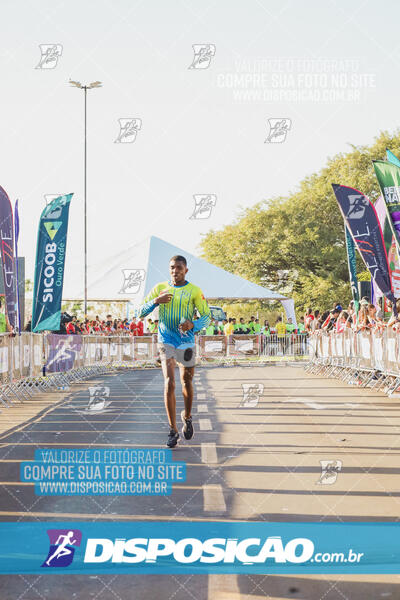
(203, 547)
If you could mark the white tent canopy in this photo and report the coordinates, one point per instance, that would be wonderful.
(131, 274)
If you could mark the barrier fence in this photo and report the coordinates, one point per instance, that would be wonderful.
(365, 358)
(32, 362)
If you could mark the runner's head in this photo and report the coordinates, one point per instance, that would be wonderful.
(178, 269)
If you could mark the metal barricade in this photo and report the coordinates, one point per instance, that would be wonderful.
(369, 358)
(212, 348)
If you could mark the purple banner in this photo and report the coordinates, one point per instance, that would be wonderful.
(62, 351)
(363, 223)
(7, 258)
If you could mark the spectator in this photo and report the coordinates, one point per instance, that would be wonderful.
(266, 330)
(308, 318)
(281, 333)
(228, 327)
(242, 327)
(210, 328)
(250, 325)
(300, 326)
(71, 326)
(133, 326)
(290, 327)
(139, 327)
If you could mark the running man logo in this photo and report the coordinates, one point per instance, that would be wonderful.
(55, 212)
(50, 53)
(203, 205)
(357, 206)
(128, 129)
(203, 53)
(61, 551)
(251, 394)
(98, 398)
(278, 129)
(133, 279)
(329, 471)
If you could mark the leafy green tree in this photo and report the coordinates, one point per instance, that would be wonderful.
(302, 233)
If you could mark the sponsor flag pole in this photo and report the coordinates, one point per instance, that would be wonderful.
(16, 226)
(7, 258)
(388, 176)
(351, 262)
(49, 266)
(363, 223)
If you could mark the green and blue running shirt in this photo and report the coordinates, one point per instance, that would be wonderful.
(185, 299)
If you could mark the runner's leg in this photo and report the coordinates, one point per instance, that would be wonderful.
(168, 368)
(186, 374)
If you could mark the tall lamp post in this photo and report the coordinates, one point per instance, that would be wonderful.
(94, 84)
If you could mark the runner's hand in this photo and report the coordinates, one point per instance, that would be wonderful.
(163, 298)
(185, 326)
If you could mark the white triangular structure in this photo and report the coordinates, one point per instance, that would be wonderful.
(150, 259)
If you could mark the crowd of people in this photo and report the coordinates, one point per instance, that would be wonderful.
(368, 317)
(140, 326)
(338, 319)
(252, 326)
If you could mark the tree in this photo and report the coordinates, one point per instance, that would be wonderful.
(302, 233)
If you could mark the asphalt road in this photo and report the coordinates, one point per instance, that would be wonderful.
(252, 459)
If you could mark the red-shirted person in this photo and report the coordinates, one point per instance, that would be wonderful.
(70, 327)
(139, 327)
(133, 327)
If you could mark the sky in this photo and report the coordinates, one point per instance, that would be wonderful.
(327, 70)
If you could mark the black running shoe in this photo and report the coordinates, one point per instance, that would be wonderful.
(187, 429)
(173, 438)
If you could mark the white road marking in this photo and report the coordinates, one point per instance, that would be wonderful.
(213, 498)
(319, 406)
(201, 396)
(202, 408)
(209, 453)
(205, 425)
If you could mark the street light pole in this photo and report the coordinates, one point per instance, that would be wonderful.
(85, 88)
(85, 209)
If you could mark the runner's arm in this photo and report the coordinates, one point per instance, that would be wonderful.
(205, 315)
(148, 304)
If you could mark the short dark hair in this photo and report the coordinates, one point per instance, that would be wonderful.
(179, 258)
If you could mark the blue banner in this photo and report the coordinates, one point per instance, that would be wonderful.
(49, 266)
(363, 223)
(87, 548)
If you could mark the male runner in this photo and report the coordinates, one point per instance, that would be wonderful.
(177, 302)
